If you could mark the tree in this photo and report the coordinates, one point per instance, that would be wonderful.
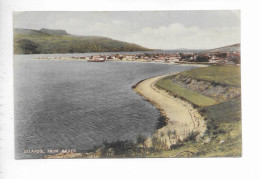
(221, 55)
(202, 58)
(235, 59)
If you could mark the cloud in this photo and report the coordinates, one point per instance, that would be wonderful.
(170, 36)
(179, 36)
(158, 30)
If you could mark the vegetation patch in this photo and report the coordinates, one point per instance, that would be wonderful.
(223, 74)
(223, 137)
(192, 96)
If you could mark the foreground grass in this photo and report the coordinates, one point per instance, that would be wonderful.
(189, 95)
(229, 75)
(223, 136)
(222, 139)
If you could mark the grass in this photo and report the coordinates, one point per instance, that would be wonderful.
(223, 137)
(229, 75)
(194, 97)
(224, 131)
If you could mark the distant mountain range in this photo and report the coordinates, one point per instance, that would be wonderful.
(229, 48)
(48, 41)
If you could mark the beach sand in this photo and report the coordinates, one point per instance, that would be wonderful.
(182, 119)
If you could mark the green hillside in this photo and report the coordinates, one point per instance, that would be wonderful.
(46, 41)
(229, 75)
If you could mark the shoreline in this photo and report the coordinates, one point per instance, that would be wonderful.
(182, 119)
(128, 61)
(179, 127)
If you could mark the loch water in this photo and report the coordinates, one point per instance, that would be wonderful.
(78, 104)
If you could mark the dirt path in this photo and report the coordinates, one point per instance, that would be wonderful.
(182, 118)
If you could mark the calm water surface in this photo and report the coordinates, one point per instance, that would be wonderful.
(78, 104)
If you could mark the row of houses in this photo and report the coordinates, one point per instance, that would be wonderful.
(217, 57)
(150, 57)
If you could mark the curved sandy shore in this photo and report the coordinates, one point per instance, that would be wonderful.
(182, 118)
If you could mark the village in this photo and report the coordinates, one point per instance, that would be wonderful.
(179, 58)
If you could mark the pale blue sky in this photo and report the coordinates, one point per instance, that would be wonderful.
(152, 29)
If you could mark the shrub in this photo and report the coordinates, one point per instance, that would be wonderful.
(202, 58)
(140, 139)
(161, 122)
(157, 144)
(191, 136)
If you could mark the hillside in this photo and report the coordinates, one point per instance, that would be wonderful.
(47, 41)
(54, 32)
(229, 48)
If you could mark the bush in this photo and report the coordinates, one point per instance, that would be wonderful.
(140, 139)
(235, 59)
(161, 122)
(178, 144)
(157, 144)
(191, 136)
(202, 58)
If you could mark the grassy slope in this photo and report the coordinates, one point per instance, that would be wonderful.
(72, 44)
(229, 75)
(188, 94)
(223, 120)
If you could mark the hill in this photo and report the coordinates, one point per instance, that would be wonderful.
(229, 48)
(47, 41)
(54, 32)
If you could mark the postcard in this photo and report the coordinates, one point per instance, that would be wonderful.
(127, 84)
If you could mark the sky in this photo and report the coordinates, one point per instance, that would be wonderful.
(151, 29)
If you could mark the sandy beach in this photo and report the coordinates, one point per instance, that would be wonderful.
(182, 118)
